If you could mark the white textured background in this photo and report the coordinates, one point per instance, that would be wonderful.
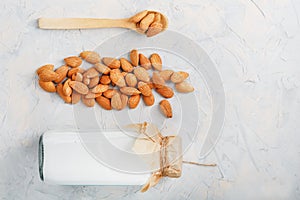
(256, 46)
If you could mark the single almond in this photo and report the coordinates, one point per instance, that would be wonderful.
(77, 77)
(144, 88)
(130, 91)
(100, 88)
(131, 80)
(67, 90)
(134, 57)
(90, 56)
(59, 90)
(105, 80)
(91, 73)
(102, 68)
(73, 61)
(94, 81)
(48, 75)
(85, 80)
(47, 86)
(126, 65)
(88, 102)
(144, 61)
(139, 16)
(62, 73)
(117, 78)
(156, 61)
(184, 87)
(149, 100)
(116, 102)
(166, 74)
(141, 74)
(109, 93)
(146, 21)
(79, 87)
(111, 62)
(178, 77)
(165, 91)
(124, 100)
(166, 108)
(104, 102)
(133, 101)
(154, 29)
(76, 97)
(48, 66)
(72, 71)
(157, 80)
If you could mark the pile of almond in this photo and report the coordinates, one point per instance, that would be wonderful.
(113, 83)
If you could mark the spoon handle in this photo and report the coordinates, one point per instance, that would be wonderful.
(83, 23)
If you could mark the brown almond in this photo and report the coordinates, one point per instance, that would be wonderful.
(77, 77)
(130, 91)
(111, 62)
(48, 67)
(146, 21)
(144, 61)
(131, 80)
(178, 77)
(90, 56)
(91, 73)
(149, 100)
(139, 16)
(109, 93)
(165, 91)
(166, 108)
(73, 61)
(88, 102)
(184, 87)
(133, 101)
(126, 65)
(157, 80)
(79, 87)
(134, 57)
(94, 81)
(124, 100)
(100, 88)
(102, 68)
(166, 74)
(76, 97)
(48, 75)
(47, 86)
(144, 88)
(59, 90)
(156, 61)
(105, 80)
(62, 73)
(141, 74)
(116, 102)
(156, 26)
(104, 102)
(67, 90)
(117, 78)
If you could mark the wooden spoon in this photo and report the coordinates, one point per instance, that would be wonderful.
(132, 23)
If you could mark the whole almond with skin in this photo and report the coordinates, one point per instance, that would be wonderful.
(73, 61)
(90, 56)
(166, 74)
(156, 61)
(47, 86)
(100, 88)
(88, 102)
(116, 102)
(178, 77)
(166, 108)
(149, 100)
(105, 80)
(124, 100)
(130, 91)
(165, 91)
(48, 75)
(78, 77)
(109, 93)
(139, 16)
(126, 65)
(62, 73)
(131, 80)
(94, 81)
(134, 57)
(111, 62)
(146, 21)
(144, 61)
(144, 88)
(79, 87)
(76, 97)
(85, 80)
(59, 90)
(48, 67)
(133, 101)
(184, 87)
(117, 78)
(141, 74)
(91, 73)
(73, 71)
(67, 90)
(102, 68)
(104, 102)
(154, 29)
(158, 80)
